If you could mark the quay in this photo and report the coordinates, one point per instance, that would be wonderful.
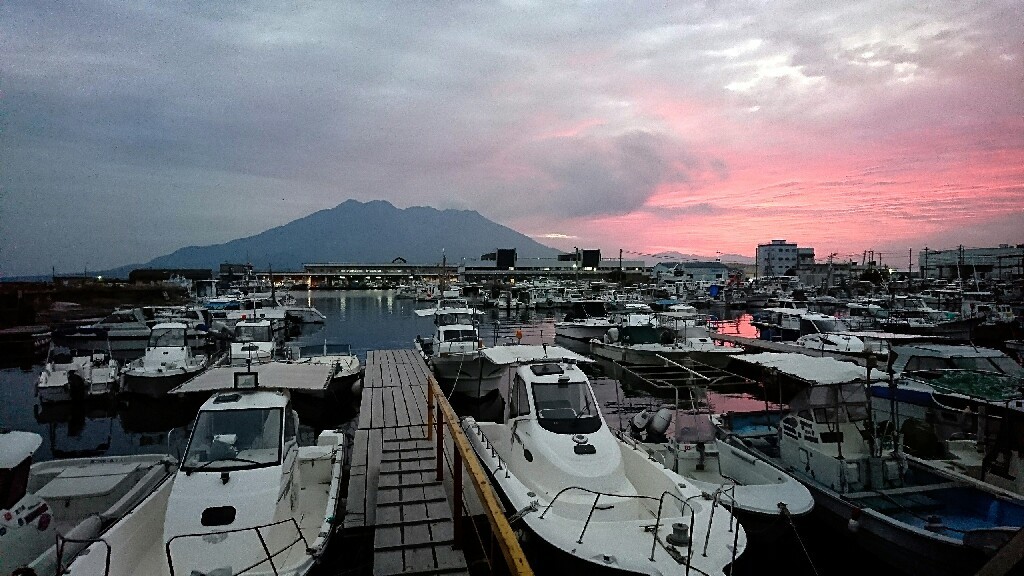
(408, 511)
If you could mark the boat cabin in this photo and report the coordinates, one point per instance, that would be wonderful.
(240, 470)
(827, 436)
(557, 396)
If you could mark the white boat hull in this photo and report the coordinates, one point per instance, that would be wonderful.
(619, 533)
(137, 546)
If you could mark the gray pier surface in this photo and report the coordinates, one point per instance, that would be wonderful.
(393, 491)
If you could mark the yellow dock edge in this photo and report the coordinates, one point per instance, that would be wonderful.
(507, 541)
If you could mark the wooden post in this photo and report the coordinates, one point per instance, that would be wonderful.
(440, 443)
(430, 408)
(457, 504)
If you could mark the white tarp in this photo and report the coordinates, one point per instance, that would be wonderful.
(305, 376)
(519, 354)
(811, 368)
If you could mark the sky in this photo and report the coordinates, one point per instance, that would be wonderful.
(131, 129)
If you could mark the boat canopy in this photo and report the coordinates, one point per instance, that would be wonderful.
(522, 354)
(304, 376)
(810, 368)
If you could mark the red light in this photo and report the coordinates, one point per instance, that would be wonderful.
(44, 522)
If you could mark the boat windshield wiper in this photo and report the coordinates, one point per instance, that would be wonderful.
(191, 469)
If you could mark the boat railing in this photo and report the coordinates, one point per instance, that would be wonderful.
(259, 534)
(441, 416)
(63, 541)
(515, 333)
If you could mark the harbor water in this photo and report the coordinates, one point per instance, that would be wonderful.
(372, 320)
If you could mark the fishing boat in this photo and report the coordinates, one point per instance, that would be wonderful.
(758, 492)
(600, 503)
(54, 505)
(168, 361)
(960, 408)
(246, 498)
(69, 376)
(453, 352)
(906, 514)
(586, 319)
(346, 371)
(255, 340)
(652, 345)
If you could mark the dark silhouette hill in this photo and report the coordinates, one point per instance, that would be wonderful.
(360, 232)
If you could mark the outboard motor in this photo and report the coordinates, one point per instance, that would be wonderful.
(638, 424)
(658, 425)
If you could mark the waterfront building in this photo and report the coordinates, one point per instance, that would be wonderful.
(781, 258)
(1004, 262)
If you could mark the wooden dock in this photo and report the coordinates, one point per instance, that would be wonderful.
(393, 491)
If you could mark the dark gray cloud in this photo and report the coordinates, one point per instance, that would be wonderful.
(128, 130)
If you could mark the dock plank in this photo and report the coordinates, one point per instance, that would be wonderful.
(393, 480)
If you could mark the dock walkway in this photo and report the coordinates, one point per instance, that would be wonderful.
(393, 490)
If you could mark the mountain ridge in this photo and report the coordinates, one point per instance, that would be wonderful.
(351, 232)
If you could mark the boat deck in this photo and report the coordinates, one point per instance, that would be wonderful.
(394, 495)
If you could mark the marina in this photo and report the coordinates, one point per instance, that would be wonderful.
(402, 507)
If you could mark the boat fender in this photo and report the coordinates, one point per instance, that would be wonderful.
(659, 424)
(854, 524)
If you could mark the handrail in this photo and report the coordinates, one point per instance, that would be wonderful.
(657, 522)
(515, 559)
(62, 540)
(270, 557)
(661, 501)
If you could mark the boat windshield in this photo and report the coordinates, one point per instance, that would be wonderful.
(234, 439)
(566, 407)
(1001, 365)
(167, 337)
(459, 335)
(252, 333)
(449, 318)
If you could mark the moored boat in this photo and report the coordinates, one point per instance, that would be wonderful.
(74, 499)
(246, 497)
(599, 502)
(168, 361)
(907, 515)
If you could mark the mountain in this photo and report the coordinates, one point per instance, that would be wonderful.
(359, 232)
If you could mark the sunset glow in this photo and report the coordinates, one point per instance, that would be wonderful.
(130, 133)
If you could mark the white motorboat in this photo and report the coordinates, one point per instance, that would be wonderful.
(75, 498)
(246, 497)
(650, 345)
(598, 501)
(98, 374)
(346, 372)
(587, 319)
(254, 341)
(759, 492)
(124, 331)
(168, 361)
(453, 352)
